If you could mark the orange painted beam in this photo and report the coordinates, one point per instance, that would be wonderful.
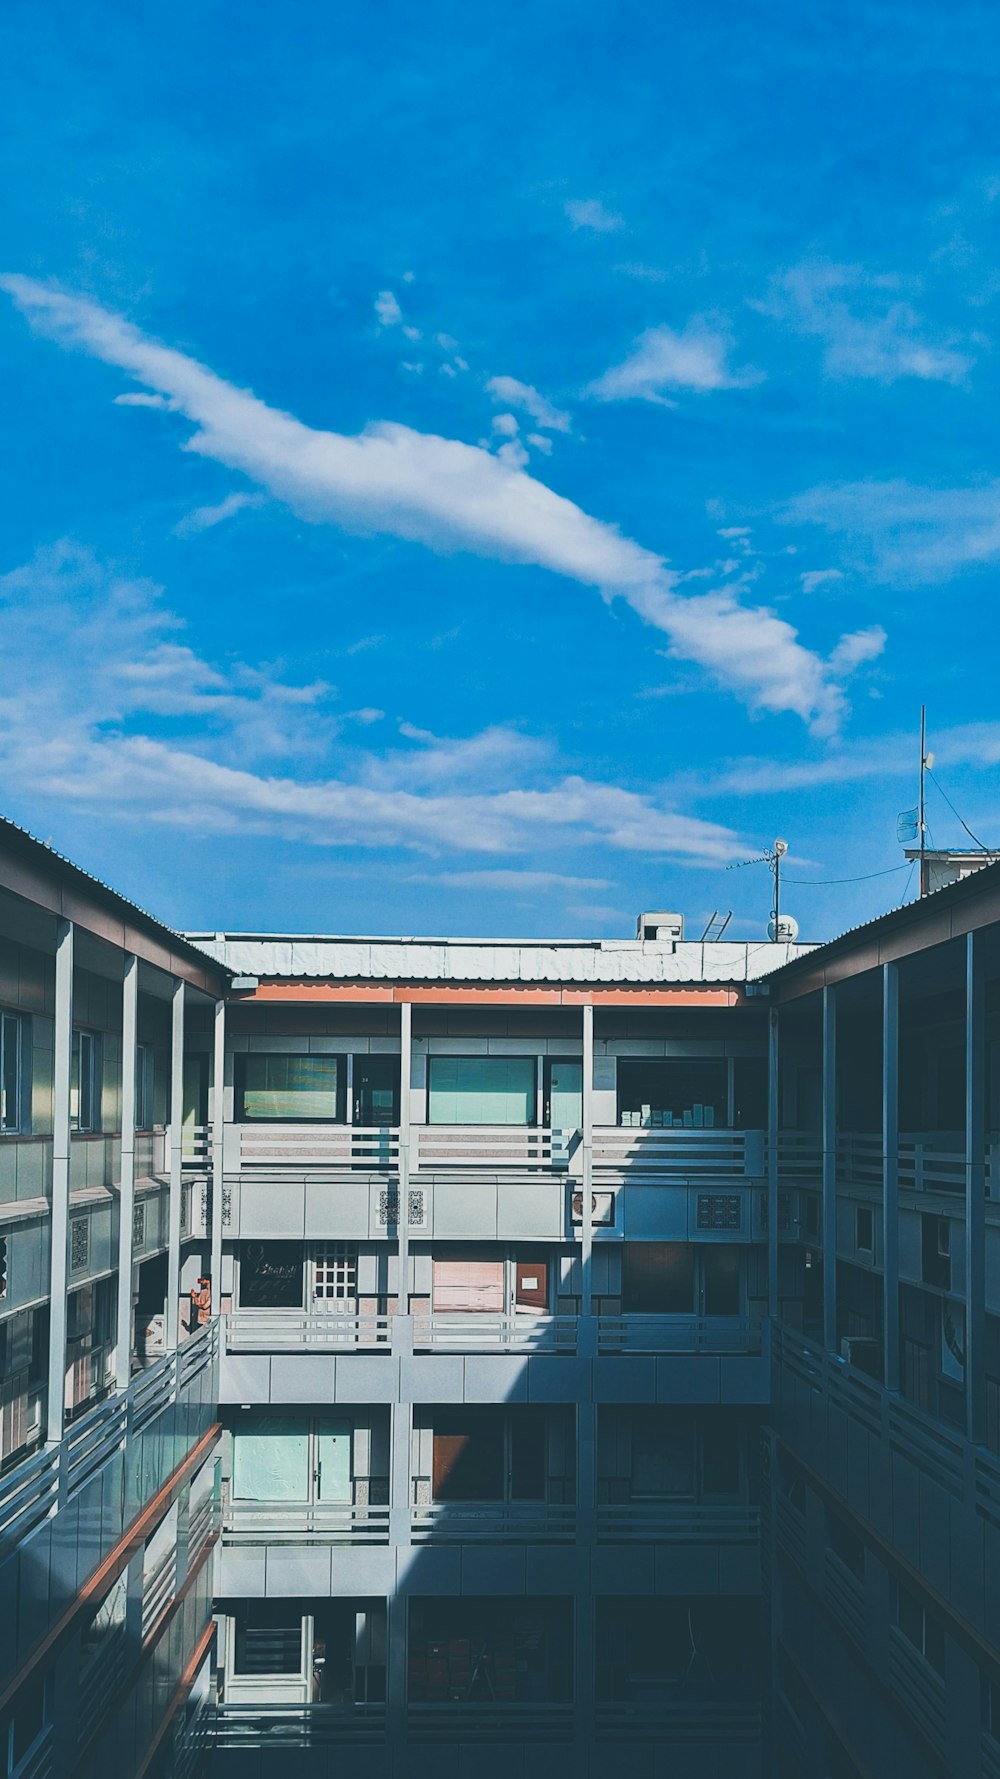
(446, 994)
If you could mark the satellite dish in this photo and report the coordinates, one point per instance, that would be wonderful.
(784, 930)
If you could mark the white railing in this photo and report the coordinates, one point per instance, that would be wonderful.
(32, 1491)
(196, 1146)
(493, 1522)
(266, 1331)
(489, 1722)
(475, 1333)
(315, 1149)
(490, 1148)
(679, 1334)
(633, 1154)
(681, 1522)
(698, 1719)
(293, 1726)
(276, 1522)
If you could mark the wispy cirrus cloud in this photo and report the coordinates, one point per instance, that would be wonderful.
(867, 331)
(904, 531)
(592, 213)
(452, 496)
(664, 360)
(204, 518)
(523, 396)
(134, 725)
(509, 882)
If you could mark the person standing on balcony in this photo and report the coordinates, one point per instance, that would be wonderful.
(201, 1304)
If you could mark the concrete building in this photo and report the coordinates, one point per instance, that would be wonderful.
(598, 1369)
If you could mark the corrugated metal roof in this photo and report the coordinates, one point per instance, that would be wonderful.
(504, 960)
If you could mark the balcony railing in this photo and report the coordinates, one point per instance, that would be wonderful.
(679, 1334)
(196, 1146)
(303, 1522)
(295, 1331)
(466, 1721)
(681, 1522)
(927, 1161)
(317, 1150)
(480, 1333)
(690, 1719)
(485, 1149)
(493, 1522)
(32, 1491)
(628, 1154)
(294, 1726)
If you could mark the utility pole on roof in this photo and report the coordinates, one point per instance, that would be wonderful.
(925, 761)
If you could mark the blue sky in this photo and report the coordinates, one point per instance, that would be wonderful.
(490, 470)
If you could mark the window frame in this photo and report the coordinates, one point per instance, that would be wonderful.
(243, 1058)
(85, 1036)
(15, 1125)
(530, 1123)
(145, 1087)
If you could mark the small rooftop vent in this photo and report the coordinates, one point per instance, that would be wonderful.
(666, 928)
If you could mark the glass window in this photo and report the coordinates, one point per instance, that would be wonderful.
(85, 1082)
(673, 1093)
(722, 1279)
(481, 1090)
(658, 1278)
(662, 1457)
(563, 1093)
(268, 1639)
(720, 1455)
(270, 1458)
(750, 1092)
(11, 1072)
(144, 1087)
(300, 1089)
(271, 1275)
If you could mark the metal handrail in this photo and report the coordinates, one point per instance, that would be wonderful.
(679, 1334)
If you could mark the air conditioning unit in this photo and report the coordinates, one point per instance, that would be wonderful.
(863, 1351)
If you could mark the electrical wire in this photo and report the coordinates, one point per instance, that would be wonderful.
(906, 886)
(821, 882)
(981, 844)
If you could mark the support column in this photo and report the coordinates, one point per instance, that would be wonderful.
(176, 1152)
(772, 1165)
(587, 1137)
(829, 1209)
(218, 1150)
(975, 1189)
(59, 1221)
(403, 1226)
(890, 1175)
(126, 1191)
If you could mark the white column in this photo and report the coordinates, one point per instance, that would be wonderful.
(890, 1175)
(403, 1226)
(176, 1142)
(218, 1149)
(59, 1222)
(587, 1137)
(829, 1206)
(126, 1191)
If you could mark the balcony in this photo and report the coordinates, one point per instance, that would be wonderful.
(680, 1334)
(317, 1152)
(494, 1334)
(488, 1722)
(631, 1155)
(302, 1522)
(492, 1522)
(687, 1719)
(294, 1726)
(303, 1331)
(681, 1522)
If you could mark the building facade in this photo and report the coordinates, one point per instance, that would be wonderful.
(453, 1356)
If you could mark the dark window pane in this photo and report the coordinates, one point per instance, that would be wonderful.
(268, 1639)
(721, 1456)
(750, 1092)
(468, 1455)
(722, 1280)
(527, 1455)
(296, 1088)
(271, 1275)
(673, 1092)
(658, 1278)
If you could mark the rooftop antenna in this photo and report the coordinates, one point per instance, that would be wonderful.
(773, 855)
(926, 762)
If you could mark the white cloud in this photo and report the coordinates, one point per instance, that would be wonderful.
(83, 728)
(863, 335)
(541, 442)
(663, 359)
(506, 425)
(135, 399)
(905, 532)
(814, 578)
(387, 309)
(530, 401)
(511, 882)
(203, 518)
(590, 213)
(451, 496)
